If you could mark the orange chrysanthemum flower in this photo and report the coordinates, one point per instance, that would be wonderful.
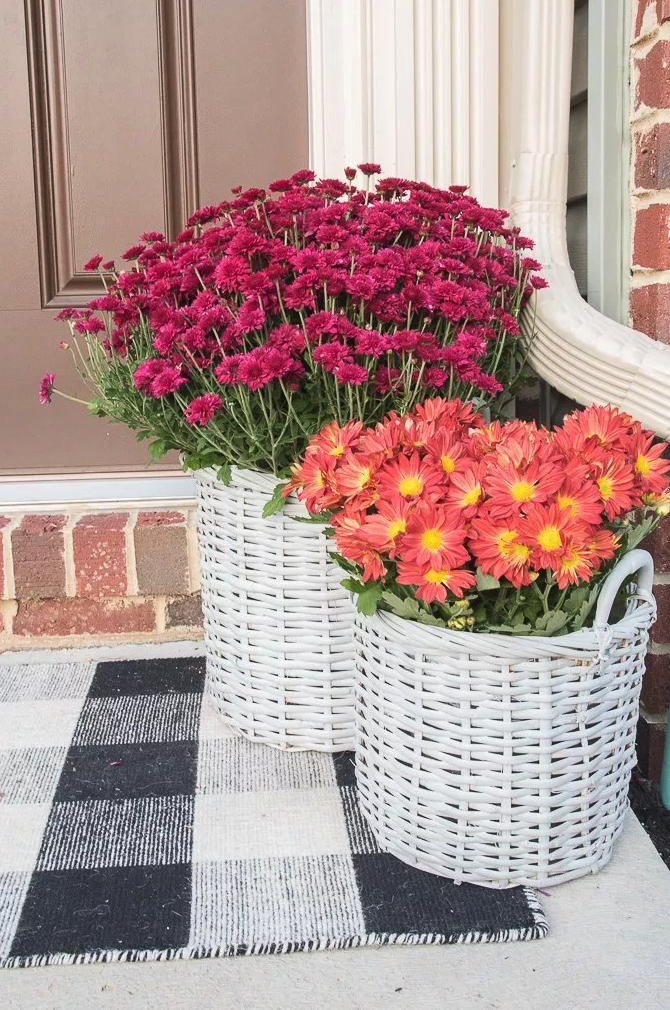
(385, 527)
(410, 477)
(651, 469)
(355, 476)
(435, 536)
(660, 501)
(466, 490)
(499, 552)
(445, 449)
(334, 440)
(432, 584)
(575, 565)
(315, 482)
(512, 489)
(606, 427)
(546, 529)
(617, 487)
(582, 498)
(352, 544)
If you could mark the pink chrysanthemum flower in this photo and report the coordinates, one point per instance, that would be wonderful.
(202, 409)
(46, 387)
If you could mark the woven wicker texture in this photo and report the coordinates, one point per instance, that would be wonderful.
(278, 625)
(496, 759)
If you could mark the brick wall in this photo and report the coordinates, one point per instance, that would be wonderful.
(82, 577)
(650, 306)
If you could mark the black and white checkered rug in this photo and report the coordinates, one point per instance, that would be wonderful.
(135, 826)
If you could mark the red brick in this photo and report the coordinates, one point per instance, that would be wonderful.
(656, 683)
(652, 158)
(103, 520)
(5, 521)
(75, 616)
(653, 88)
(650, 745)
(184, 612)
(661, 630)
(161, 560)
(650, 310)
(99, 546)
(38, 552)
(658, 544)
(160, 519)
(659, 12)
(651, 245)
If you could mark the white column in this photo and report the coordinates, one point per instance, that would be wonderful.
(411, 84)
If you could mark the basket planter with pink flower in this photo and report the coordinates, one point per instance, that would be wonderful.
(503, 617)
(269, 316)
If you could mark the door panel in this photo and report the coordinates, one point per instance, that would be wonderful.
(120, 118)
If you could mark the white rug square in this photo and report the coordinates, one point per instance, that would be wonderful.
(21, 829)
(279, 822)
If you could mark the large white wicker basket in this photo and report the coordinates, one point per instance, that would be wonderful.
(278, 625)
(496, 759)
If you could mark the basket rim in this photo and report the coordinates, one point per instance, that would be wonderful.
(434, 637)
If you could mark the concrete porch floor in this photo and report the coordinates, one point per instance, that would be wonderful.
(608, 949)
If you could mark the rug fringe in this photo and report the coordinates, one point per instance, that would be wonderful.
(535, 932)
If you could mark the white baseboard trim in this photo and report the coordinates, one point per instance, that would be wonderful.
(94, 491)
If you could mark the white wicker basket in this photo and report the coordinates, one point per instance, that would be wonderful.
(278, 625)
(496, 759)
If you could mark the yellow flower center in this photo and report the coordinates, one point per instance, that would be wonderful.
(436, 576)
(410, 486)
(431, 540)
(448, 464)
(606, 487)
(504, 541)
(395, 528)
(570, 560)
(472, 496)
(549, 538)
(522, 491)
(642, 465)
(337, 450)
(566, 502)
(520, 553)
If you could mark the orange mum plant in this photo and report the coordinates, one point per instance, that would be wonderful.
(510, 528)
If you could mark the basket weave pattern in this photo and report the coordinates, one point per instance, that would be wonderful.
(278, 625)
(495, 759)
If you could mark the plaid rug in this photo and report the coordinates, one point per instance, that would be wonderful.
(135, 826)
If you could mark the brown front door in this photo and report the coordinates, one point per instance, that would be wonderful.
(119, 118)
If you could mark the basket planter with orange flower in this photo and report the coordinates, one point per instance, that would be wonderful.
(500, 637)
(268, 316)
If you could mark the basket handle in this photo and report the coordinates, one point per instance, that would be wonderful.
(635, 561)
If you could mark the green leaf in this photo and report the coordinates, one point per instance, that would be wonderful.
(426, 618)
(575, 599)
(200, 460)
(554, 622)
(158, 448)
(369, 598)
(320, 519)
(342, 562)
(485, 582)
(638, 532)
(353, 585)
(224, 474)
(408, 608)
(276, 503)
(96, 408)
(142, 434)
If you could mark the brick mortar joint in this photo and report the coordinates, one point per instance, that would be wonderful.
(641, 45)
(131, 564)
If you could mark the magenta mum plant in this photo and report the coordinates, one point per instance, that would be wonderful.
(279, 310)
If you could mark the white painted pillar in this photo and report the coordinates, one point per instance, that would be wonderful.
(411, 84)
